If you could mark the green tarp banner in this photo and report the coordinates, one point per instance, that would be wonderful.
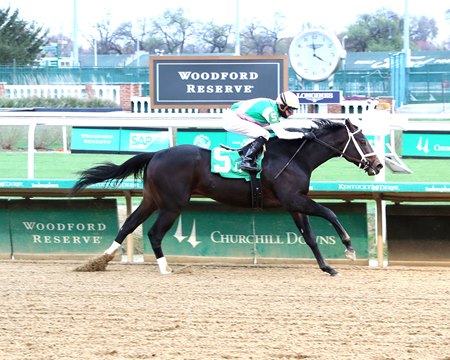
(61, 226)
(426, 144)
(209, 139)
(95, 139)
(220, 231)
(119, 140)
(5, 239)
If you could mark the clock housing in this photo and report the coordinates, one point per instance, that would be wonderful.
(315, 54)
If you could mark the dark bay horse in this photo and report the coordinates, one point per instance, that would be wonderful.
(171, 176)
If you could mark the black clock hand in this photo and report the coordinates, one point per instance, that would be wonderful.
(316, 56)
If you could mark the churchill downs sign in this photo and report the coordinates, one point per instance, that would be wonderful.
(196, 82)
(213, 230)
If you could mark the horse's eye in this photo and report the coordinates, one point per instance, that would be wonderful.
(361, 141)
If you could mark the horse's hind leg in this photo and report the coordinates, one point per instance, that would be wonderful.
(302, 222)
(136, 218)
(162, 225)
(143, 211)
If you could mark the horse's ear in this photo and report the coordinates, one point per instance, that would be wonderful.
(349, 124)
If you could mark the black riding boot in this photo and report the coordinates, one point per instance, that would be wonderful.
(248, 162)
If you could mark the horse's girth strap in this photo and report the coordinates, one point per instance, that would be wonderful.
(257, 195)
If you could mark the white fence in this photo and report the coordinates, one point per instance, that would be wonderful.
(105, 92)
(142, 104)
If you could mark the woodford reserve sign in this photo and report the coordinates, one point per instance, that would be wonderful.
(205, 82)
(38, 227)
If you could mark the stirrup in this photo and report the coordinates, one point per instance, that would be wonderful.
(248, 166)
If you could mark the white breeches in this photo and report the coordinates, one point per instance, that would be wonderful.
(233, 123)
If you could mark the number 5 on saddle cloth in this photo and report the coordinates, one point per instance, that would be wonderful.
(225, 162)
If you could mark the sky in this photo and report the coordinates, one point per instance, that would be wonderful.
(57, 15)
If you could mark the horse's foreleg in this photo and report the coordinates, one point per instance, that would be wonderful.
(345, 237)
(156, 233)
(310, 207)
(304, 226)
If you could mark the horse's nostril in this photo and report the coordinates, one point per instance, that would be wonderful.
(379, 166)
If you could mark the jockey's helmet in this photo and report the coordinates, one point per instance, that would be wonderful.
(287, 102)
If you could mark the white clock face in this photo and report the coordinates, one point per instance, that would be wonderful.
(315, 54)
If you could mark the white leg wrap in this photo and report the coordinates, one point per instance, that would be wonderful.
(163, 267)
(113, 248)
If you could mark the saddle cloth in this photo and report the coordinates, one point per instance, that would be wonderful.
(226, 163)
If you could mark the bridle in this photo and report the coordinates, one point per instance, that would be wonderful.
(363, 163)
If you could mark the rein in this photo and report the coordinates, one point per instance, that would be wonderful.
(363, 163)
(290, 160)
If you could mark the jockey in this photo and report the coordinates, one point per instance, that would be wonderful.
(250, 117)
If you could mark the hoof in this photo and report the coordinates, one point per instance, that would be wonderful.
(166, 271)
(350, 254)
(329, 270)
(164, 268)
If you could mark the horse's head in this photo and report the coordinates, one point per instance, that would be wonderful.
(359, 151)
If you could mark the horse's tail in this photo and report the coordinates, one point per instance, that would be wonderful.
(111, 173)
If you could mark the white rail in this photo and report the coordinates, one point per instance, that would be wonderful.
(107, 92)
(142, 104)
(375, 122)
(441, 122)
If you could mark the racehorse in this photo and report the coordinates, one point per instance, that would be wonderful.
(171, 176)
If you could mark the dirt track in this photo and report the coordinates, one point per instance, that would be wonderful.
(48, 311)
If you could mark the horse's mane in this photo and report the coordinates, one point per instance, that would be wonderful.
(320, 125)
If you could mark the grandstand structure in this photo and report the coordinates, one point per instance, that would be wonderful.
(425, 79)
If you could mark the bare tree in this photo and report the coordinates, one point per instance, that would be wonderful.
(257, 40)
(262, 40)
(173, 29)
(215, 37)
(109, 41)
(125, 39)
(105, 40)
(137, 36)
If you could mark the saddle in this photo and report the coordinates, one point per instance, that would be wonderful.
(218, 154)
